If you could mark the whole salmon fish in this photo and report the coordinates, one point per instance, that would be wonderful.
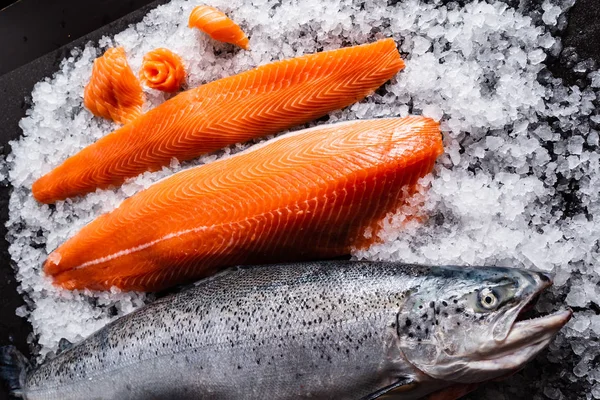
(325, 330)
(303, 196)
(252, 104)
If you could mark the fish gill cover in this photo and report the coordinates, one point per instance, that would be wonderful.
(519, 184)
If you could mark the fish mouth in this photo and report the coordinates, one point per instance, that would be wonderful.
(529, 336)
(540, 283)
(527, 332)
(526, 339)
(527, 312)
(528, 319)
(552, 322)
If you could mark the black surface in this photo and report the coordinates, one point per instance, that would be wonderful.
(31, 28)
(583, 34)
(6, 3)
(15, 89)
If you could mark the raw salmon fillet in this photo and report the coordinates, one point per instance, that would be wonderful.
(252, 104)
(305, 195)
(113, 91)
(218, 26)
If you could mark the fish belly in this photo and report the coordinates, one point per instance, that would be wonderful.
(306, 195)
(256, 103)
(289, 369)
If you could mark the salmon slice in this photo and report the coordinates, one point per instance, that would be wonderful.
(163, 70)
(113, 91)
(305, 195)
(252, 104)
(218, 26)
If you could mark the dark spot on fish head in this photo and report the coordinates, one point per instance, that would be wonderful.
(417, 320)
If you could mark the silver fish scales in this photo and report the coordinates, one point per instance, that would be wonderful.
(324, 330)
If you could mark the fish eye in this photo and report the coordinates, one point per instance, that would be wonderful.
(488, 299)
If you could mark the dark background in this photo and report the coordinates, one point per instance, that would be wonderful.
(32, 28)
(35, 35)
(32, 36)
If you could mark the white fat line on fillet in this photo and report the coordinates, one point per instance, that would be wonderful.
(56, 257)
(138, 248)
(198, 229)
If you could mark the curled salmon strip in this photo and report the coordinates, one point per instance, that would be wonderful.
(218, 26)
(114, 92)
(162, 70)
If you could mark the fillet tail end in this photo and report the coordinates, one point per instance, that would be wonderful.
(40, 192)
(13, 367)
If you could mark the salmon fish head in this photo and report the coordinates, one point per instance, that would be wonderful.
(466, 325)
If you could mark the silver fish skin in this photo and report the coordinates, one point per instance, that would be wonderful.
(322, 330)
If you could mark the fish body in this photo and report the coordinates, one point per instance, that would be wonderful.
(325, 330)
(309, 194)
(114, 92)
(253, 104)
(163, 70)
(218, 26)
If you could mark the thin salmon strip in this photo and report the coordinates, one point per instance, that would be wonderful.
(113, 91)
(305, 195)
(256, 103)
(163, 70)
(218, 26)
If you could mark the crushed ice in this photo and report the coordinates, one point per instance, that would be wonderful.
(519, 184)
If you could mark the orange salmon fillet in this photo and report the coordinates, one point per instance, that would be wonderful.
(305, 195)
(256, 103)
(113, 91)
(163, 70)
(218, 26)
